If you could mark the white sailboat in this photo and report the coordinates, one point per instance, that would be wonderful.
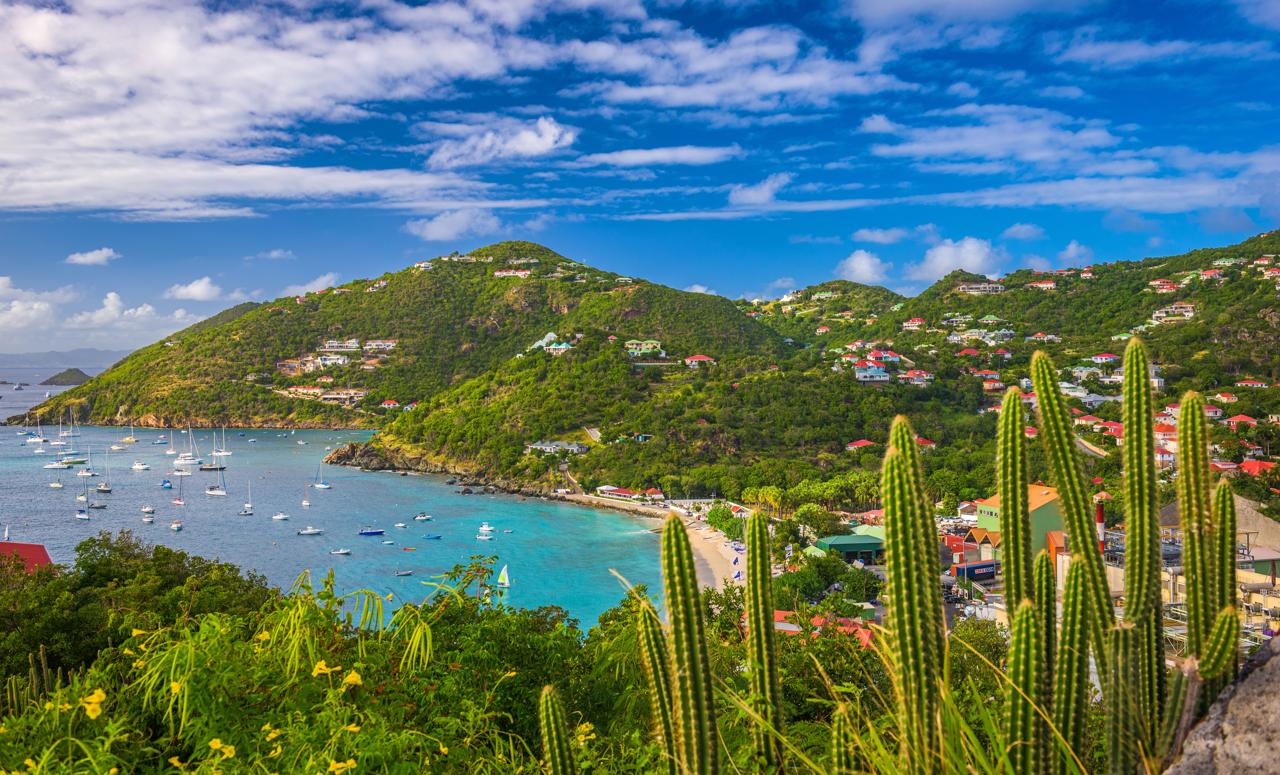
(219, 489)
(178, 500)
(105, 484)
(130, 439)
(320, 484)
(247, 511)
(504, 580)
(56, 485)
(221, 450)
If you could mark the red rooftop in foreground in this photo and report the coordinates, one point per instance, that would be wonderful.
(33, 556)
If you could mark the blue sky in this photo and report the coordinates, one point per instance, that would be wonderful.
(162, 160)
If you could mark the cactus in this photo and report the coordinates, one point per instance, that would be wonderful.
(1023, 729)
(842, 742)
(657, 667)
(1143, 606)
(762, 656)
(1220, 647)
(1120, 696)
(1046, 600)
(1011, 488)
(1198, 559)
(555, 737)
(695, 721)
(1224, 526)
(1071, 664)
(1059, 442)
(914, 599)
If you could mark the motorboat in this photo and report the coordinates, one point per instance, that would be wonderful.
(117, 447)
(103, 487)
(82, 515)
(342, 552)
(401, 525)
(55, 485)
(179, 472)
(371, 531)
(484, 537)
(433, 536)
(310, 531)
(175, 525)
(149, 518)
(212, 467)
(422, 518)
(97, 505)
(279, 516)
(165, 484)
(388, 543)
(57, 465)
(138, 465)
(404, 573)
(148, 509)
(86, 472)
(485, 527)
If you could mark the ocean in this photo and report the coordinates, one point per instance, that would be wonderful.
(557, 553)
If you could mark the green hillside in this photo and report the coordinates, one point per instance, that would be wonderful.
(450, 322)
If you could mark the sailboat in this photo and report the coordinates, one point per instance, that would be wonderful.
(56, 485)
(321, 484)
(82, 515)
(58, 465)
(178, 500)
(68, 432)
(305, 502)
(148, 509)
(219, 489)
(130, 439)
(38, 436)
(188, 458)
(221, 450)
(88, 468)
(504, 580)
(105, 485)
(247, 511)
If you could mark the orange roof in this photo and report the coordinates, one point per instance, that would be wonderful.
(1037, 496)
(979, 534)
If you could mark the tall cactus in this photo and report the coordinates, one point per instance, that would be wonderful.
(1198, 558)
(657, 667)
(1023, 729)
(695, 719)
(1046, 600)
(1143, 606)
(555, 737)
(1059, 442)
(1071, 666)
(914, 599)
(1221, 646)
(842, 742)
(1121, 698)
(1011, 488)
(1224, 525)
(762, 663)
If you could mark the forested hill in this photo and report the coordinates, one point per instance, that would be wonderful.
(450, 319)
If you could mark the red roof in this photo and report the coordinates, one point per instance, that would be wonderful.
(968, 351)
(922, 441)
(859, 444)
(1241, 418)
(33, 556)
(698, 359)
(1256, 467)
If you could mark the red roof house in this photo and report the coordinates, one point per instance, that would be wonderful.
(859, 444)
(33, 556)
(1256, 467)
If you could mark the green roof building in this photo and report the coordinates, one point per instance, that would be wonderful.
(866, 548)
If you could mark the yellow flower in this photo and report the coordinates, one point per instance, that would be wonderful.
(228, 751)
(96, 696)
(275, 751)
(215, 743)
(444, 750)
(136, 632)
(266, 727)
(31, 765)
(128, 652)
(353, 728)
(93, 710)
(113, 771)
(353, 679)
(272, 735)
(176, 762)
(263, 636)
(342, 766)
(322, 669)
(175, 686)
(138, 664)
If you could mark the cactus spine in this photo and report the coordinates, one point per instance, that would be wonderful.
(1121, 699)
(1220, 647)
(1143, 606)
(762, 656)
(1055, 428)
(653, 652)
(842, 742)
(1071, 667)
(695, 720)
(1198, 559)
(914, 599)
(1224, 522)
(555, 737)
(1011, 488)
(1023, 730)
(1046, 600)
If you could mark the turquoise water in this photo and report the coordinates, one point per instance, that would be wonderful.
(559, 554)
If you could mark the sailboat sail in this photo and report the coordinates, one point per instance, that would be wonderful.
(504, 580)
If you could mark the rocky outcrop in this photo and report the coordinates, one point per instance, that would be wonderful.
(381, 455)
(1241, 732)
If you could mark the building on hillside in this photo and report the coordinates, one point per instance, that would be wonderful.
(859, 444)
(1105, 358)
(381, 345)
(340, 346)
(558, 348)
(1043, 285)
(870, 372)
(914, 324)
(1251, 383)
(556, 447)
(980, 289)
(332, 359)
(698, 361)
(639, 347)
(512, 273)
(32, 556)
(1045, 509)
(865, 547)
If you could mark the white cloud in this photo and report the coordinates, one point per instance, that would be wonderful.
(1063, 93)
(884, 12)
(1226, 219)
(326, 280)
(700, 288)
(694, 155)
(202, 289)
(275, 254)
(99, 257)
(1022, 231)
(23, 314)
(1086, 48)
(881, 236)
(1263, 12)
(1038, 263)
(509, 140)
(969, 253)
(862, 266)
(11, 292)
(454, 224)
(878, 123)
(759, 193)
(814, 239)
(1075, 254)
(962, 90)
(113, 318)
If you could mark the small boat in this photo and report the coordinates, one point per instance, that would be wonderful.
(117, 447)
(55, 485)
(82, 497)
(508, 530)
(279, 516)
(148, 509)
(504, 580)
(175, 525)
(138, 465)
(401, 525)
(310, 531)
(57, 465)
(97, 505)
(485, 527)
(371, 531)
(404, 573)
(248, 504)
(422, 518)
(86, 472)
(484, 537)
(179, 472)
(103, 487)
(212, 467)
(433, 536)
(408, 548)
(302, 443)
(215, 490)
(388, 543)
(343, 552)
(149, 519)
(165, 484)
(81, 514)
(178, 502)
(245, 513)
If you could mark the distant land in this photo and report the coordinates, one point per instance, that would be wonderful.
(83, 357)
(68, 377)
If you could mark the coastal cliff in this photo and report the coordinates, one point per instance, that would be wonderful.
(383, 454)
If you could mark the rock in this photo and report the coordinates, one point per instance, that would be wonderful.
(1241, 731)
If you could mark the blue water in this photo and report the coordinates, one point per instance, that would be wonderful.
(559, 554)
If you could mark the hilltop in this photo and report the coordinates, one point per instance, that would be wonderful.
(372, 346)
(68, 377)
